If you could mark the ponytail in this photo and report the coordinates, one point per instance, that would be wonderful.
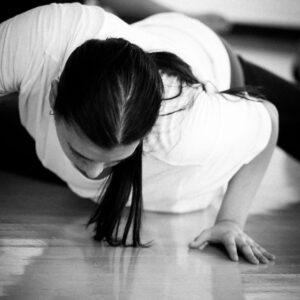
(170, 64)
(125, 180)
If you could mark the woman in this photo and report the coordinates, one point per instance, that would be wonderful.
(102, 99)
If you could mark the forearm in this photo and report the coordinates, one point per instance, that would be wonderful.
(243, 186)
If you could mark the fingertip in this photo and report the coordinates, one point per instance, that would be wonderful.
(270, 256)
(201, 247)
(191, 245)
(264, 261)
(195, 245)
(234, 257)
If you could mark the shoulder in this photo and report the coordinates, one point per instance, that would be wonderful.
(54, 9)
(210, 126)
(272, 110)
(51, 16)
(48, 20)
(274, 116)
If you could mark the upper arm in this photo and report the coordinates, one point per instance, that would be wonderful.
(273, 113)
(53, 30)
(22, 41)
(11, 65)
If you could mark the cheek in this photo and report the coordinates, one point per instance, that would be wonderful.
(64, 146)
(75, 160)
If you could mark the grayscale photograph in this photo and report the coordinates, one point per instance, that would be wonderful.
(149, 149)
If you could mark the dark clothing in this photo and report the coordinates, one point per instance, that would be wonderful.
(285, 96)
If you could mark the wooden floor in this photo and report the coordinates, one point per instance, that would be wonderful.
(47, 253)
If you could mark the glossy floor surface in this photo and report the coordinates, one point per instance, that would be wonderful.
(47, 253)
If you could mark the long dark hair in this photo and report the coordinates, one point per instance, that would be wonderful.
(112, 90)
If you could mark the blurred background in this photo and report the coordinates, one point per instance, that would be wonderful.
(264, 31)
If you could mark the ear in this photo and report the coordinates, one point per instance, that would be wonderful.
(53, 93)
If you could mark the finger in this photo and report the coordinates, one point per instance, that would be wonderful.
(231, 249)
(247, 251)
(259, 255)
(269, 255)
(266, 253)
(201, 241)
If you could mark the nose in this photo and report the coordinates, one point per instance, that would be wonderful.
(93, 170)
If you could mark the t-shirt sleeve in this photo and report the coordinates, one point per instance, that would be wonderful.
(11, 65)
(54, 29)
(217, 131)
(21, 42)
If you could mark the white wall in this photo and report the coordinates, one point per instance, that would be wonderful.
(279, 13)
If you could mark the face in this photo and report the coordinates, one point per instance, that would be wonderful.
(88, 158)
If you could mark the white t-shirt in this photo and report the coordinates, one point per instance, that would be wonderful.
(189, 156)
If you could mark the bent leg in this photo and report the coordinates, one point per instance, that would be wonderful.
(285, 96)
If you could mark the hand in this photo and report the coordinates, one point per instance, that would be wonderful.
(233, 238)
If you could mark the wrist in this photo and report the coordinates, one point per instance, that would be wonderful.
(230, 221)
